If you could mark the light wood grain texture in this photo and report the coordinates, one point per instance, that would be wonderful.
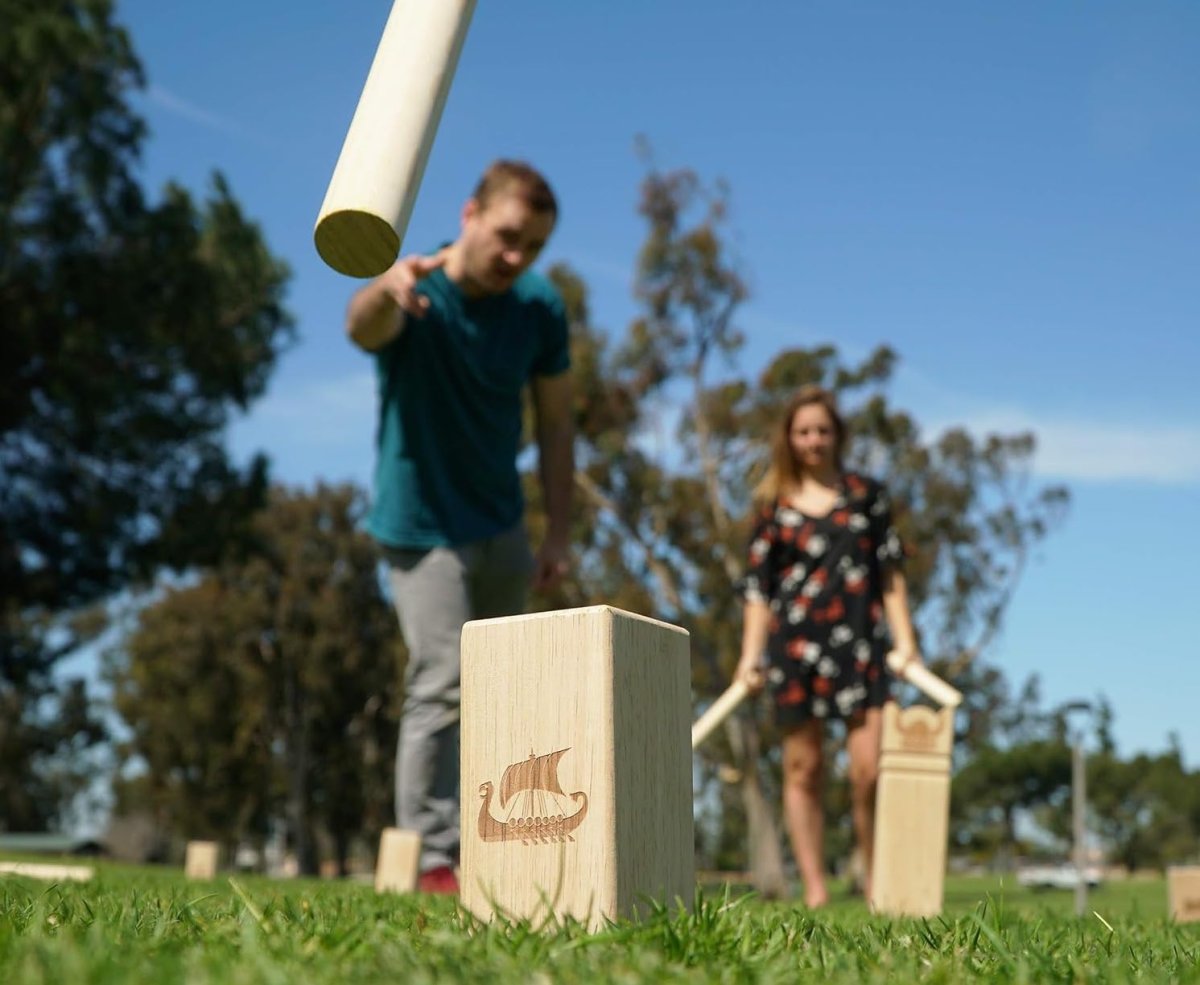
(50, 871)
(1183, 892)
(378, 173)
(912, 811)
(576, 766)
(399, 856)
(200, 860)
(718, 711)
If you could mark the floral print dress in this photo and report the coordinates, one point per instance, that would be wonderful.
(821, 577)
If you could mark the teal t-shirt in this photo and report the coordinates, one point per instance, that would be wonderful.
(449, 424)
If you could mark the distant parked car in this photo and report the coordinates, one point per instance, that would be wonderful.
(1057, 876)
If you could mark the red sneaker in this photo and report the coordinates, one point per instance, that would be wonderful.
(439, 880)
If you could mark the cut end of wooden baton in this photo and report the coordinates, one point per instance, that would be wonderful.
(925, 681)
(356, 243)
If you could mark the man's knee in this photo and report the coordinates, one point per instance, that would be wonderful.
(435, 680)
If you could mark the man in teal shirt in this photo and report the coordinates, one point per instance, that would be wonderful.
(456, 337)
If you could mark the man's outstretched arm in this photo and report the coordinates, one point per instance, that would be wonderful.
(378, 311)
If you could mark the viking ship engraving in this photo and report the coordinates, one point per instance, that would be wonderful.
(533, 808)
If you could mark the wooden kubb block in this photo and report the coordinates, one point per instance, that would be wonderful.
(912, 810)
(200, 860)
(576, 766)
(1183, 892)
(399, 856)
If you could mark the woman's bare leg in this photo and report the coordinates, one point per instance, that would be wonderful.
(803, 786)
(862, 743)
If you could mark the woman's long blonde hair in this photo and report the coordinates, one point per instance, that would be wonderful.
(783, 471)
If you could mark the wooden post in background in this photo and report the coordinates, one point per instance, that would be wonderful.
(912, 810)
(1183, 892)
(399, 856)
(200, 861)
(374, 185)
(576, 765)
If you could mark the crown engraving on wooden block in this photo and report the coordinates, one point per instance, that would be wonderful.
(918, 734)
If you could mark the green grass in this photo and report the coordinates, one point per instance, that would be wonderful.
(143, 925)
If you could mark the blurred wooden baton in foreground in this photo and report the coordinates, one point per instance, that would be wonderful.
(374, 185)
(718, 711)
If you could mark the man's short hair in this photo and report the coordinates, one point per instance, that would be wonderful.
(517, 177)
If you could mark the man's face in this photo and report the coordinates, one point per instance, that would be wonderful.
(500, 240)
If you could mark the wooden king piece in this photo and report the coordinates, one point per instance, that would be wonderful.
(576, 765)
(374, 185)
(912, 801)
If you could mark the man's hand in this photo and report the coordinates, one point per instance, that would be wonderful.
(377, 312)
(400, 281)
(550, 566)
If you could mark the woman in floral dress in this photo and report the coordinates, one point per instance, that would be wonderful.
(823, 586)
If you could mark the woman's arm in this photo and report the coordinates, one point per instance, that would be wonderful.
(899, 619)
(756, 621)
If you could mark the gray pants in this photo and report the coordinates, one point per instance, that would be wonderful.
(435, 591)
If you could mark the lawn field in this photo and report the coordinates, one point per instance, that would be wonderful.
(149, 925)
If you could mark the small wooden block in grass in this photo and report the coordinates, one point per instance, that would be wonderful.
(200, 862)
(576, 765)
(55, 873)
(1183, 892)
(396, 868)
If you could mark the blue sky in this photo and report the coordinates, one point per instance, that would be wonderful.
(1007, 194)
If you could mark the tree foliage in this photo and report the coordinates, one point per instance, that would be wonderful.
(268, 689)
(673, 436)
(1146, 810)
(43, 761)
(133, 328)
(998, 783)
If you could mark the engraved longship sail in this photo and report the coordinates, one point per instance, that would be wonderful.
(536, 773)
